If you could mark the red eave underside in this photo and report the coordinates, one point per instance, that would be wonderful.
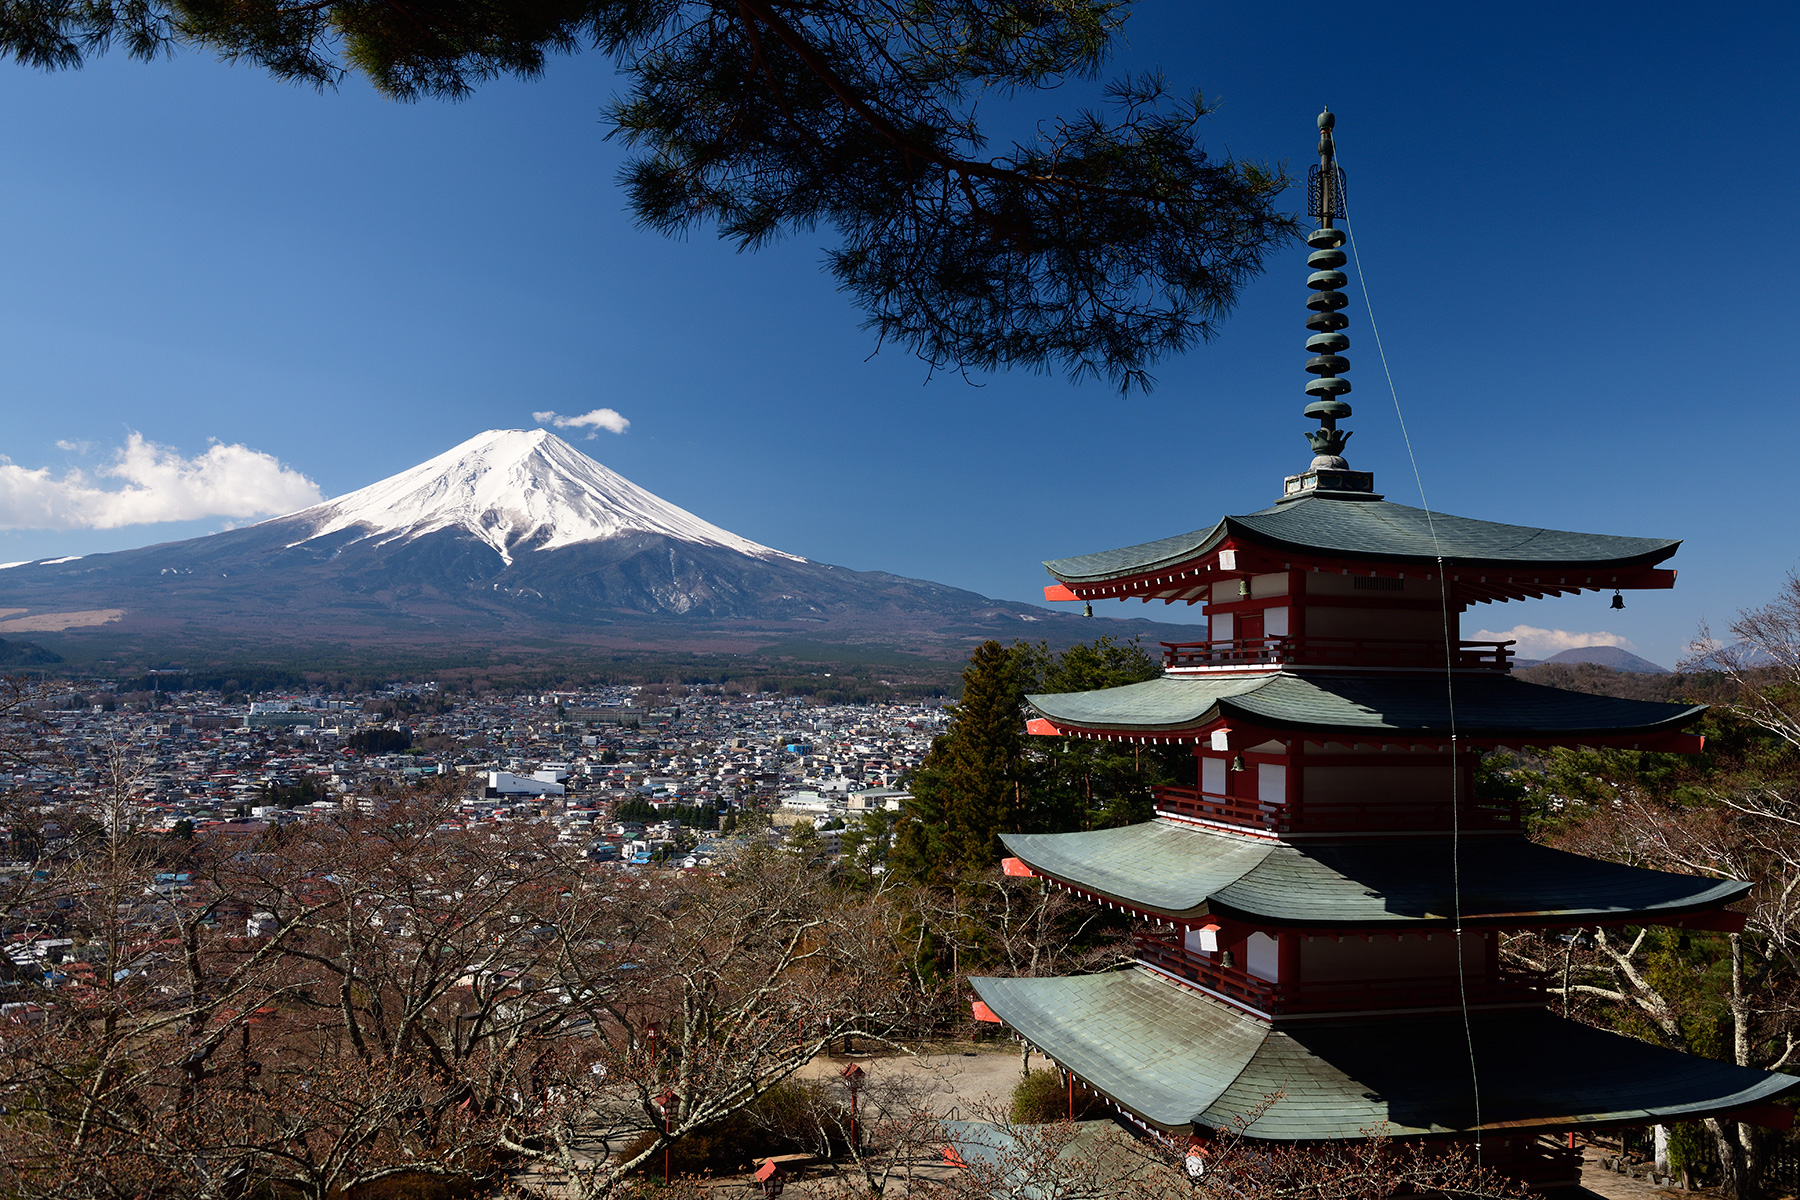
(1661, 741)
(1470, 584)
(1715, 919)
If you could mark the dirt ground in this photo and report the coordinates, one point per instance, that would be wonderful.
(1613, 1186)
(958, 1081)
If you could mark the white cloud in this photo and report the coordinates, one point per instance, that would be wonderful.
(1542, 643)
(158, 485)
(74, 446)
(600, 418)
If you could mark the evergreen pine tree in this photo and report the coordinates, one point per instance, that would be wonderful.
(984, 776)
(969, 789)
(1083, 784)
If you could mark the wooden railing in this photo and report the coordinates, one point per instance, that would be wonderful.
(1167, 954)
(1509, 986)
(1233, 810)
(1329, 816)
(1336, 652)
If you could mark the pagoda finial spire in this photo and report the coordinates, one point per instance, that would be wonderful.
(1328, 474)
(1325, 202)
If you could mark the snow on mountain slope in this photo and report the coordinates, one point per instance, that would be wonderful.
(512, 486)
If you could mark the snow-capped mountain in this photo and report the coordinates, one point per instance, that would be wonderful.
(515, 488)
(512, 538)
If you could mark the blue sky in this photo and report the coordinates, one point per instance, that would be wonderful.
(1568, 216)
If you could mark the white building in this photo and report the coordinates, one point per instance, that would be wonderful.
(505, 783)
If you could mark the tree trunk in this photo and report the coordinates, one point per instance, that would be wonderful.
(1749, 1162)
(1732, 1181)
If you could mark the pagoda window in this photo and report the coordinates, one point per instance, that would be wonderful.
(1271, 784)
(1275, 622)
(1332, 583)
(1222, 627)
(1262, 957)
(1213, 773)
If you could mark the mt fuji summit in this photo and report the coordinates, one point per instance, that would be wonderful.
(514, 534)
(520, 488)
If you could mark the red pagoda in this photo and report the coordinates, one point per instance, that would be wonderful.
(1321, 912)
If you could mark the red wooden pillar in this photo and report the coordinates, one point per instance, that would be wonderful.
(1296, 791)
(1296, 604)
(1288, 970)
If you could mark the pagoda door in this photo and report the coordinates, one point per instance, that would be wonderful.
(1250, 633)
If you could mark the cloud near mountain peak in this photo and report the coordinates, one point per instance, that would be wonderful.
(155, 483)
(609, 419)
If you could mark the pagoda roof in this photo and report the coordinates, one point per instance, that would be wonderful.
(1176, 1059)
(1183, 872)
(1488, 706)
(1375, 530)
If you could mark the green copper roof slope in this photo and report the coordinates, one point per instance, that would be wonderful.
(1327, 702)
(1182, 872)
(1376, 530)
(1177, 1059)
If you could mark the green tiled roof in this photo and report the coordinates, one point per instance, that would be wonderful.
(1486, 705)
(1376, 529)
(1177, 1058)
(1179, 871)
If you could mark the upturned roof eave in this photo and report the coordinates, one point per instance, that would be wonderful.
(1225, 710)
(1177, 1059)
(1200, 543)
(1713, 900)
(1203, 541)
(1233, 708)
(1218, 902)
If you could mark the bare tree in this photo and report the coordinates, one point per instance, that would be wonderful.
(1738, 818)
(1082, 1160)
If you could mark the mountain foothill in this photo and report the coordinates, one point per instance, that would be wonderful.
(514, 537)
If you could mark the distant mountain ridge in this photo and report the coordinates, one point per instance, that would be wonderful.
(514, 534)
(1605, 656)
(25, 654)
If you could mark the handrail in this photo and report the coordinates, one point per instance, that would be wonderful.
(1235, 810)
(1334, 651)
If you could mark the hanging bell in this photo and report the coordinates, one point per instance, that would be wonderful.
(1087, 610)
(1237, 764)
(1618, 601)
